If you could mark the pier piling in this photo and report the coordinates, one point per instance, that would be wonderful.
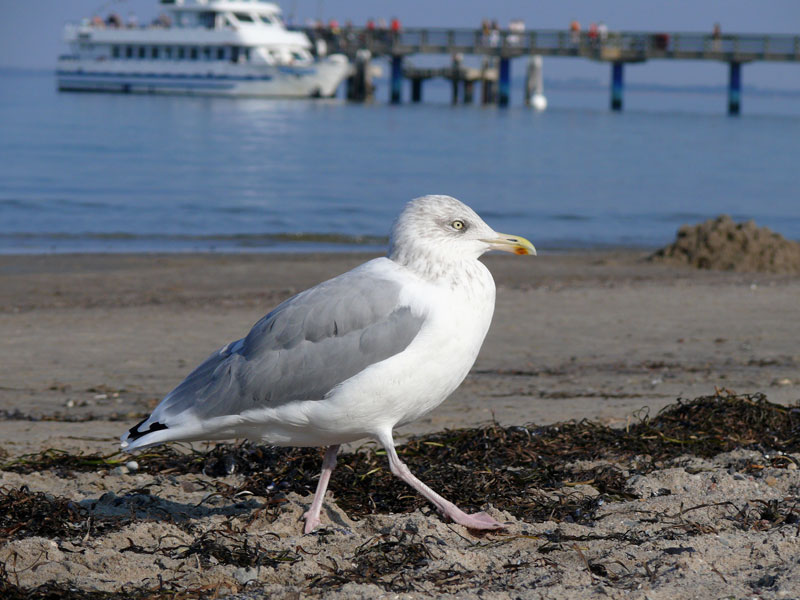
(734, 88)
(397, 79)
(456, 77)
(416, 89)
(617, 85)
(504, 82)
(469, 87)
(534, 85)
(488, 87)
(359, 84)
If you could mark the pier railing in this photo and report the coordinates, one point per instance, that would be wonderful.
(616, 46)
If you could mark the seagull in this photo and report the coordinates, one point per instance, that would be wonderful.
(355, 356)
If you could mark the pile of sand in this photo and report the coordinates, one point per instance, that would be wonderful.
(723, 244)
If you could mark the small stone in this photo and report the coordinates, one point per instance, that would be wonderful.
(119, 471)
(132, 466)
(245, 574)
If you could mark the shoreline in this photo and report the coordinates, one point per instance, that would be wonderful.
(287, 245)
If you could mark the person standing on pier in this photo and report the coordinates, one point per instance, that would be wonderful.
(575, 32)
(494, 35)
(592, 34)
(396, 28)
(602, 32)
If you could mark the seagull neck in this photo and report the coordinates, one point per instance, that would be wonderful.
(441, 271)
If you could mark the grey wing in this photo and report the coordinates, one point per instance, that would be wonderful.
(301, 350)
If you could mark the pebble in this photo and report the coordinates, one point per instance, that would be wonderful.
(132, 466)
(245, 574)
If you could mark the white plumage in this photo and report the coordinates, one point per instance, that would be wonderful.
(355, 356)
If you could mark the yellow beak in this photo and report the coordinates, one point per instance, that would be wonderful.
(511, 243)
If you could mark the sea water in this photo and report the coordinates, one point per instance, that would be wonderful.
(104, 172)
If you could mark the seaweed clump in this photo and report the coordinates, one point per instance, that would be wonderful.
(532, 472)
(24, 513)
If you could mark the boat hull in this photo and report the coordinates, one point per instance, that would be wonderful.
(320, 79)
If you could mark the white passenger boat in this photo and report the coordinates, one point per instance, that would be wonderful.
(210, 47)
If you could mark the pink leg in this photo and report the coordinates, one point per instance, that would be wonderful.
(474, 521)
(311, 516)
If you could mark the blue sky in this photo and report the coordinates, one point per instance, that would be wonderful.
(30, 30)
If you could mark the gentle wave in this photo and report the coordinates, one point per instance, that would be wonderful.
(243, 239)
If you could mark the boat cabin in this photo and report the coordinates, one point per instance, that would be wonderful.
(219, 14)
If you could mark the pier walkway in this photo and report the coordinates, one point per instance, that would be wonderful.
(616, 48)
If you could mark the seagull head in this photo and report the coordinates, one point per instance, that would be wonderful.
(444, 229)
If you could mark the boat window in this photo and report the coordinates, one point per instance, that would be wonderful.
(207, 53)
(206, 19)
(193, 53)
(297, 55)
(234, 53)
(141, 51)
(243, 17)
(154, 52)
(168, 52)
(128, 51)
(220, 53)
(115, 51)
(246, 52)
(181, 52)
(266, 19)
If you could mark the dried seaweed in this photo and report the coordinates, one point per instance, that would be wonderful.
(62, 462)
(387, 561)
(25, 514)
(62, 591)
(524, 470)
(230, 550)
(396, 563)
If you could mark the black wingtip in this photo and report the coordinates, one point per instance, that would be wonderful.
(134, 434)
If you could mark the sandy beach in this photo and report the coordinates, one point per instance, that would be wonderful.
(92, 342)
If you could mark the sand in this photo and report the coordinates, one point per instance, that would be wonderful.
(91, 343)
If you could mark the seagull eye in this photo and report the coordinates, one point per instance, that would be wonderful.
(458, 224)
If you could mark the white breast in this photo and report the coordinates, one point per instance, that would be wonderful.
(404, 387)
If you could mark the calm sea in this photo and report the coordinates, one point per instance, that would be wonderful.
(102, 172)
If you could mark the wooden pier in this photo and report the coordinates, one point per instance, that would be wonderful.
(501, 47)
